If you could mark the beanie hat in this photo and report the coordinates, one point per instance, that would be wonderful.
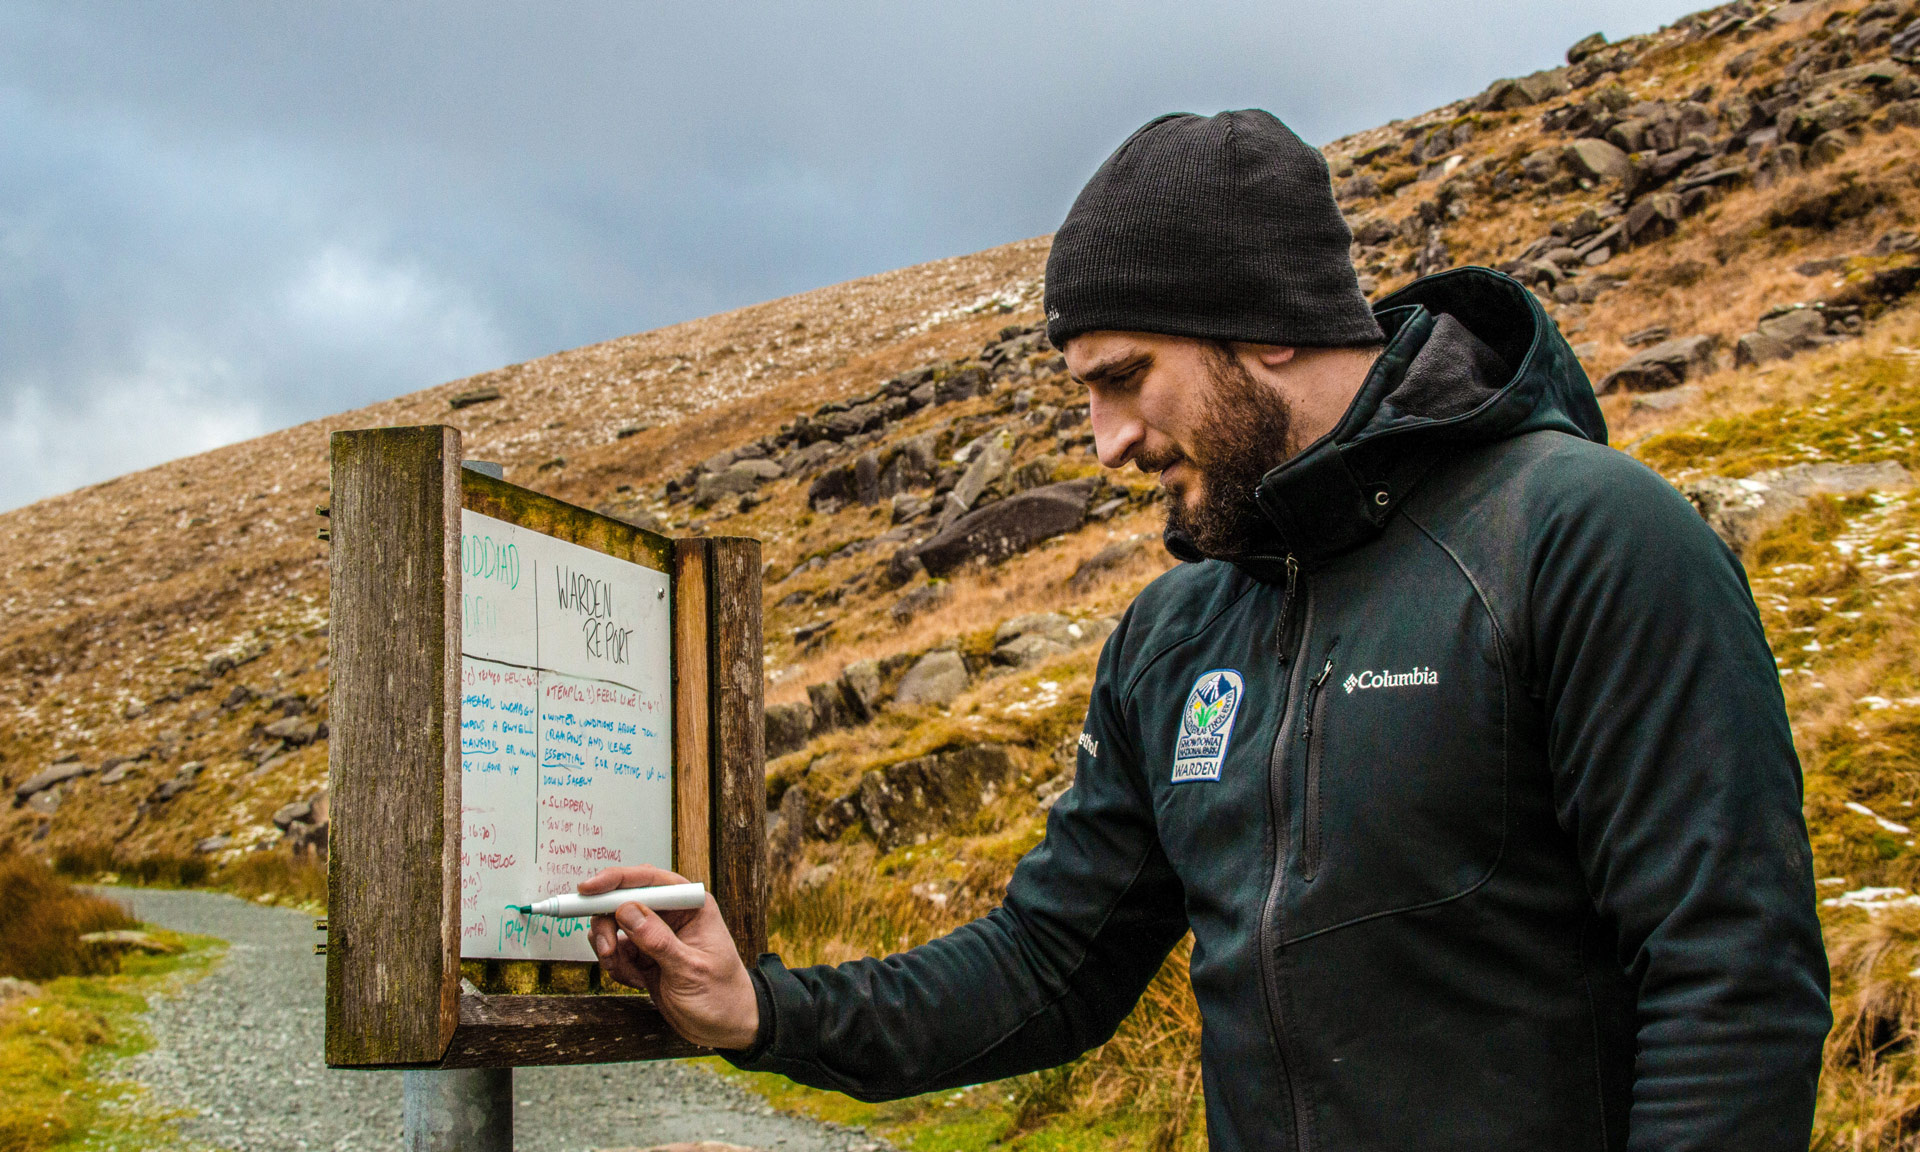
(1221, 228)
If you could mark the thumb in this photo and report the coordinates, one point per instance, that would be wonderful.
(651, 935)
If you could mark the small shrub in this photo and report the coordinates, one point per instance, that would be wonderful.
(166, 871)
(42, 919)
(288, 879)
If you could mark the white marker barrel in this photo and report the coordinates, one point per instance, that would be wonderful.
(663, 898)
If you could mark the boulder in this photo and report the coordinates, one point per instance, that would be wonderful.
(1542, 164)
(1828, 147)
(1665, 365)
(129, 940)
(936, 678)
(1506, 95)
(1740, 510)
(292, 729)
(1007, 527)
(1361, 186)
(308, 836)
(735, 480)
(860, 686)
(212, 844)
(286, 814)
(908, 802)
(1905, 45)
(1585, 47)
(1597, 160)
(48, 778)
(1795, 328)
(986, 459)
(1030, 639)
(831, 490)
(961, 385)
(1100, 563)
(907, 506)
(1652, 217)
(830, 708)
(473, 396)
(1758, 348)
(1368, 232)
(789, 726)
(786, 829)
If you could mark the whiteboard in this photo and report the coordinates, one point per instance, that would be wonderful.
(566, 741)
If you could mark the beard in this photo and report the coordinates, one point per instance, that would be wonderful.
(1246, 432)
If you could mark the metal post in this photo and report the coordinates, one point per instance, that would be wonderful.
(458, 1110)
(464, 1109)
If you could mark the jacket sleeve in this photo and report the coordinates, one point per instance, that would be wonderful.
(1088, 918)
(1675, 774)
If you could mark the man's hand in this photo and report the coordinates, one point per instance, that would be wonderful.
(685, 960)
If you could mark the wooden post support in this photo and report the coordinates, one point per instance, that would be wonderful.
(692, 840)
(739, 759)
(393, 759)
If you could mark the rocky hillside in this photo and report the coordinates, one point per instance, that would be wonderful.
(1721, 215)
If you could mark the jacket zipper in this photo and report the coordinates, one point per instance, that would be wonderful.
(1286, 610)
(1276, 811)
(1314, 719)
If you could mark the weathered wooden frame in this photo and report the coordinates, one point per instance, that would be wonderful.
(394, 992)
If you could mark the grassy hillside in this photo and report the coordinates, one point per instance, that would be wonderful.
(1720, 214)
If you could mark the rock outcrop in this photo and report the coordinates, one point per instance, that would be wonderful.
(1667, 364)
(1740, 510)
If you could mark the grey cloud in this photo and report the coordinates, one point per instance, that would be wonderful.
(223, 218)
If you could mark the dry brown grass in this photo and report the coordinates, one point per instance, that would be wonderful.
(42, 918)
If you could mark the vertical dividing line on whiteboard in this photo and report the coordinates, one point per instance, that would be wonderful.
(539, 725)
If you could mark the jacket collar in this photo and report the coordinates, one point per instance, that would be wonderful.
(1496, 369)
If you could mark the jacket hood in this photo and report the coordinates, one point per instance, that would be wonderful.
(1471, 358)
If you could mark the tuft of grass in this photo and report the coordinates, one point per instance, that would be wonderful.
(42, 919)
(278, 877)
(56, 1049)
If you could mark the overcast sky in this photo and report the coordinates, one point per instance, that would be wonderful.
(217, 220)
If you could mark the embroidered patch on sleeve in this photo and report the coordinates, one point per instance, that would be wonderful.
(1206, 726)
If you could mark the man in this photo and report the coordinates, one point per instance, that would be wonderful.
(1458, 746)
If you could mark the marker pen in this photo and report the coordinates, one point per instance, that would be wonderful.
(663, 898)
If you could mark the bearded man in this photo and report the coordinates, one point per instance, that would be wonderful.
(1457, 745)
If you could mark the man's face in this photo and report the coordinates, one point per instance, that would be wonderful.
(1193, 412)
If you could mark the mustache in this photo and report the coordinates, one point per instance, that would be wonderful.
(1158, 462)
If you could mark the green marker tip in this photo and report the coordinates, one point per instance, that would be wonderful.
(523, 909)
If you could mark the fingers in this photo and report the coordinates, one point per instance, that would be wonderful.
(632, 876)
(652, 936)
(630, 967)
(601, 935)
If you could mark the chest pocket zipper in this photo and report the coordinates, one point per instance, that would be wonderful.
(1314, 737)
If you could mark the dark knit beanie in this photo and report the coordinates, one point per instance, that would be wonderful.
(1222, 228)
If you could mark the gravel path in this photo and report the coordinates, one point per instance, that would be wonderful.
(240, 1052)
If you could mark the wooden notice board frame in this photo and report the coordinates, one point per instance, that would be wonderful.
(394, 992)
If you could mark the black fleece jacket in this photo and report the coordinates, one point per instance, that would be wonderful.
(1476, 792)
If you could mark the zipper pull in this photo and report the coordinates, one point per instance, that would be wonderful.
(1313, 691)
(1286, 609)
